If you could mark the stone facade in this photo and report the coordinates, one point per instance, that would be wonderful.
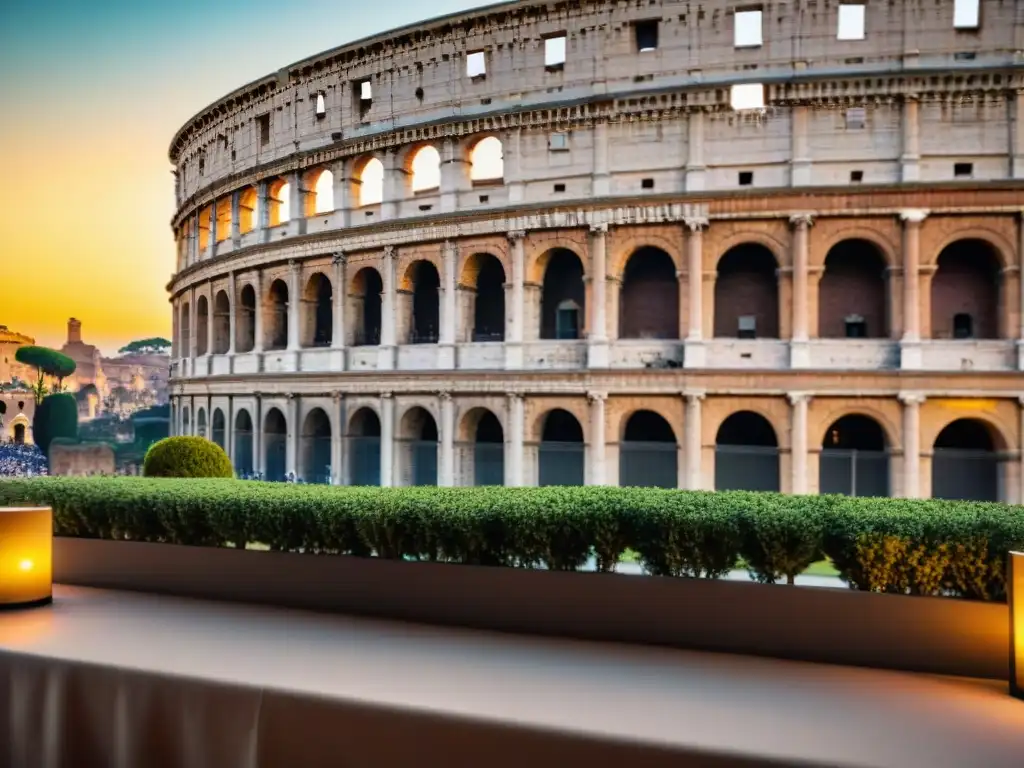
(818, 290)
(17, 421)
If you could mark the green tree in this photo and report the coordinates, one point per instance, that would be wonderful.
(56, 416)
(47, 362)
(154, 346)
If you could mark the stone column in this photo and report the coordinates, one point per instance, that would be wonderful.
(601, 185)
(232, 307)
(387, 440)
(694, 352)
(229, 430)
(211, 238)
(694, 443)
(912, 402)
(910, 345)
(257, 320)
(293, 434)
(798, 443)
(210, 322)
(294, 304)
(338, 439)
(515, 312)
(597, 437)
(446, 476)
(297, 201)
(911, 155)
(193, 331)
(386, 359)
(454, 174)
(515, 446)
(342, 190)
(695, 168)
(394, 185)
(236, 217)
(446, 337)
(263, 211)
(258, 465)
(1020, 286)
(799, 353)
(597, 344)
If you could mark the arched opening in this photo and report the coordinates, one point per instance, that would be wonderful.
(315, 458)
(370, 183)
(852, 293)
(364, 448)
(965, 462)
(245, 320)
(854, 460)
(218, 429)
(201, 422)
(278, 202)
(186, 426)
(425, 169)
(204, 222)
(19, 433)
(966, 292)
(488, 450)
(648, 453)
(747, 294)
(247, 202)
(243, 445)
(275, 446)
(562, 297)
(185, 340)
(485, 273)
(202, 325)
(320, 196)
(426, 284)
(486, 159)
(649, 300)
(746, 454)
(318, 312)
(367, 288)
(222, 210)
(419, 431)
(276, 316)
(561, 454)
(221, 323)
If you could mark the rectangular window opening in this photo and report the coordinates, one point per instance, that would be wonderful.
(856, 118)
(965, 56)
(263, 123)
(476, 65)
(362, 92)
(856, 176)
(746, 178)
(746, 327)
(851, 22)
(747, 28)
(558, 142)
(856, 327)
(647, 184)
(559, 187)
(202, 166)
(963, 170)
(485, 198)
(554, 52)
(646, 35)
(321, 104)
(966, 14)
(746, 96)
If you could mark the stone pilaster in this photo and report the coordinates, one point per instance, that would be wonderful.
(799, 352)
(515, 446)
(798, 443)
(910, 345)
(597, 344)
(597, 438)
(912, 402)
(694, 352)
(694, 444)
(515, 312)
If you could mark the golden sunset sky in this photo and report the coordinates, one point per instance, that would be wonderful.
(91, 94)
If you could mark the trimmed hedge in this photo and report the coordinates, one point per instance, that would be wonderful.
(921, 547)
(187, 456)
(56, 417)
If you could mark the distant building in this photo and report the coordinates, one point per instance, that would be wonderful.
(17, 422)
(10, 342)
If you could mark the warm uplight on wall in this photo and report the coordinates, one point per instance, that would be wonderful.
(26, 555)
(1015, 597)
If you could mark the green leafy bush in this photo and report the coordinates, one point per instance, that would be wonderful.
(56, 417)
(953, 549)
(186, 456)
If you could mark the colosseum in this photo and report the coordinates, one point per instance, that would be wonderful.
(710, 245)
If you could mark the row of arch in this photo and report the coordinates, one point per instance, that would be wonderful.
(853, 299)
(854, 458)
(420, 172)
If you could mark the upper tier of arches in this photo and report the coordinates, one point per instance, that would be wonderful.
(542, 55)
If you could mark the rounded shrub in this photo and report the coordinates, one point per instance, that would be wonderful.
(56, 416)
(186, 456)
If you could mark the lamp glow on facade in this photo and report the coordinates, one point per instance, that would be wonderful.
(26, 556)
(1015, 598)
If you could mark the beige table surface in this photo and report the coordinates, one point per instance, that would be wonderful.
(233, 660)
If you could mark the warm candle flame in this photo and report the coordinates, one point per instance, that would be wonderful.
(25, 565)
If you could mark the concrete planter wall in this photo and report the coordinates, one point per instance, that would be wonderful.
(951, 637)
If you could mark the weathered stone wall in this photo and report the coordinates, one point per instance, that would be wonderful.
(82, 460)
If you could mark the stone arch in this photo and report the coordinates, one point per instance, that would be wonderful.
(649, 296)
(202, 325)
(747, 453)
(483, 281)
(1002, 249)
(627, 247)
(778, 249)
(278, 202)
(365, 296)
(275, 315)
(648, 451)
(186, 423)
(19, 429)
(484, 446)
(422, 279)
(422, 165)
(854, 459)
(315, 464)
(218, 428)
(245, 319)
(563, 295)
(562, 450)
(368, 181)
(967, 291)
(419, 443)
(889, 251)
(201, 422)
(966, 461)
(746, 292)
(853, 292)
(539, 256)
(275, 444)
(485, 156)
(363, 434)
(248, 201)
(318, 184)
(891, 431)
(317, 311)
(185, 330)
(243, 444)
(221, 323)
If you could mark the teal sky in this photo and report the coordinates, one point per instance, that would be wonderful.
(91, 94)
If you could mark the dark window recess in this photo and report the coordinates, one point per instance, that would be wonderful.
(854, 60)
(336, 136)
(369, 214)
(856, 176)
(746, 327)
(646, 35)
(647, 184)
(746, 178)
(856, 328)
(963, 170)
(419, 94)
(485, 101)
(426, 207)
(362, 92)
(202, 166)
(964, 56)
(485, 198)
(263, 123)
(963, 326)
(559, 187)
(232, 155)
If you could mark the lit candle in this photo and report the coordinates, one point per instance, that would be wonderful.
(26, 556)
(1015, 597)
